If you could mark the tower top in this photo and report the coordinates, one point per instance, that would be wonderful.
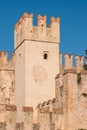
(24, 29)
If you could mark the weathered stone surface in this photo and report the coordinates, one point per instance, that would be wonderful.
(2, 125)
(19, 126)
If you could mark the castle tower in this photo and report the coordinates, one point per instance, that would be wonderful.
(37, 60)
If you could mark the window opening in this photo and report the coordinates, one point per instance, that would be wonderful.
(45, 56)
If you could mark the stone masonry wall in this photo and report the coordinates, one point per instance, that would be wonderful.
(7, 78)
(71, 101)
(7, 117)
(7, 88)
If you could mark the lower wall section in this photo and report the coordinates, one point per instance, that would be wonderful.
(2, 125)
(36, 126)
(8, 115)
(19, 126)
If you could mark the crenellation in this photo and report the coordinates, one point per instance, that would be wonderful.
(41, 22)
(5, 63)
(20, 21)
(71, 61)
(53, 19)
(11, 62)
(24, 29)
(79, 62)
(25, 15)
(3, 59)
(46, 106)
(68, 61)
(55, 27)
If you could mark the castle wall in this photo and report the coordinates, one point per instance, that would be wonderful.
(7, 87)
(72, 101)
(7, 78)
(7, 94)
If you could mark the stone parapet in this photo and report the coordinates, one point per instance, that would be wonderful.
(5, 62)
(24, 29)
(46, 105)
(71, 61)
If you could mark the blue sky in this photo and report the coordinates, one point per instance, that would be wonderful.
(73, 15)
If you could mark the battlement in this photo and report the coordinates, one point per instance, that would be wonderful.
(46, 106)
(6, 63)
(71, 61)
(24, 29)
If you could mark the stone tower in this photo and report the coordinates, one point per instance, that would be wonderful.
(37, 60)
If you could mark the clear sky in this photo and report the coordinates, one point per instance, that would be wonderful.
(73, 15)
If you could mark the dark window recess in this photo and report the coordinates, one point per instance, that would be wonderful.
(45, 56)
